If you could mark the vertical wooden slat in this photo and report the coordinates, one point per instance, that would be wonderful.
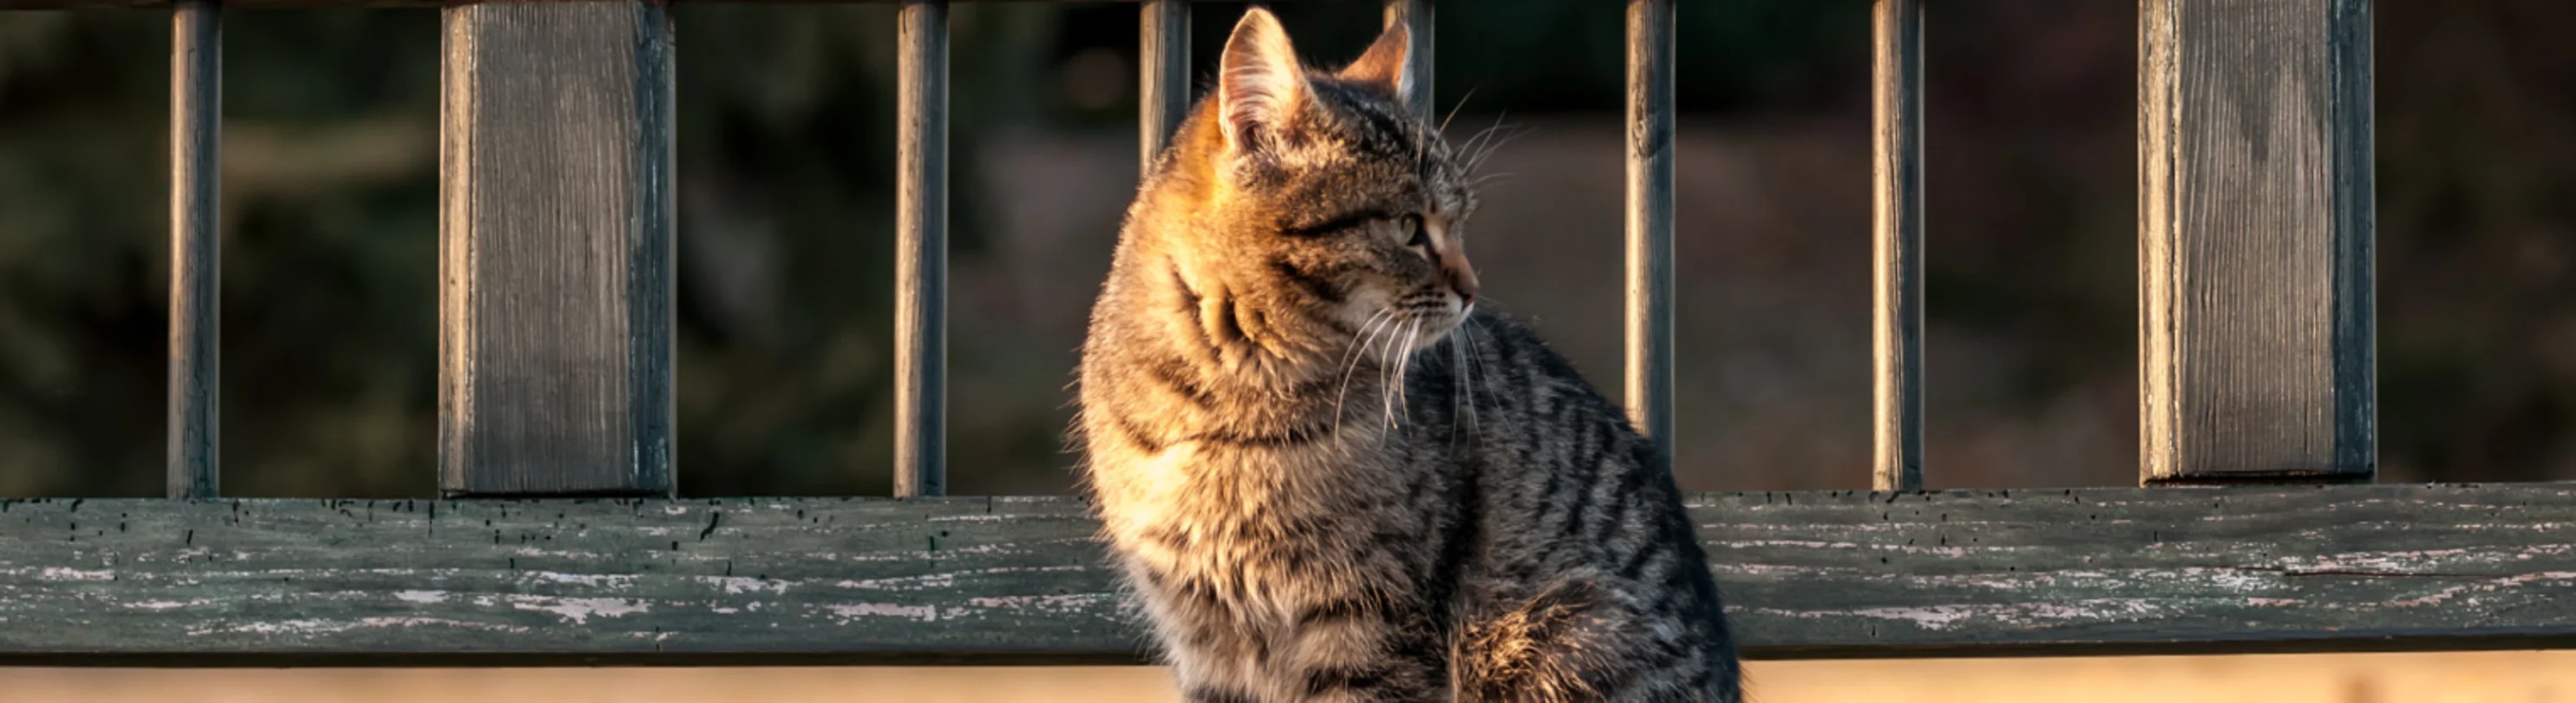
(555, 246)
(1896, 252)
(1163, 60)
(1416, 16)
(196, 129)
(2256, 224)
(921, 252)
(1650, 219)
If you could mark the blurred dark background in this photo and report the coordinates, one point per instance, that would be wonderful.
(785, 178)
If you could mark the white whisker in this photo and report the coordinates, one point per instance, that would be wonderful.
(1400, 357)
(1351, 362)
(1404, 368)
(1485, 148)
(1462, 386)
(1475, 144)
(1385, 372)
(1453, 110)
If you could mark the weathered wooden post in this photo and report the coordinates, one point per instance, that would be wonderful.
(1649, 379)
(2254, 121)
(555, 249)
(196, 138)
(1163, 81)
(921, 251)
(1896, 245)
(1416, 16)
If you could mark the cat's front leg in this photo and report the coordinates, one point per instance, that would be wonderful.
(1214, 658)
(1211, 660)
(1355, 649)
(1581, 641)
(1327, 650)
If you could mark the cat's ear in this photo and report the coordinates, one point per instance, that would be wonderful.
(1383, 64)
(1260, 86)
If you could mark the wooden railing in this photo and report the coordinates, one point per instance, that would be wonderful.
(560, 541)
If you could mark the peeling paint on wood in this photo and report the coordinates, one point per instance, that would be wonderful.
(1808, 575)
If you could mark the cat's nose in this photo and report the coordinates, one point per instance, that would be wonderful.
(1462, 277)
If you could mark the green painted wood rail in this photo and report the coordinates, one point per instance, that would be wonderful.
(991, 580)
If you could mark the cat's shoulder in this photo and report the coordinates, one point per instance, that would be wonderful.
(1506, 332)
(1516, 342)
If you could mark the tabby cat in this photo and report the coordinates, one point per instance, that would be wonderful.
(1330, 477)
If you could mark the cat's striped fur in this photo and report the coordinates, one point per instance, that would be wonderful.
(1327, 476)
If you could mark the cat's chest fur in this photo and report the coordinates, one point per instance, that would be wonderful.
(1263, 527)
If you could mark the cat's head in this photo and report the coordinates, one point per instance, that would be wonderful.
(1323, 191)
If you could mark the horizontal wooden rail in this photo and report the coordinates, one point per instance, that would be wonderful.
(861, 580)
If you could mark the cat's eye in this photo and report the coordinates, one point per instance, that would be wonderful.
(1408, 229)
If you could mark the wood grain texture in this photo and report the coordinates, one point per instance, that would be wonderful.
(921, 252)
(196, 240)
(555, 250)
(1649, 372)
(2256, 227)
(1417, 18)
(1163, 83)
(1807, 575)
(1896, 245)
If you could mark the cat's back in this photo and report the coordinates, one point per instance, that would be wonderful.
(1573, 505)
(1541, 427)
(1509, 370)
